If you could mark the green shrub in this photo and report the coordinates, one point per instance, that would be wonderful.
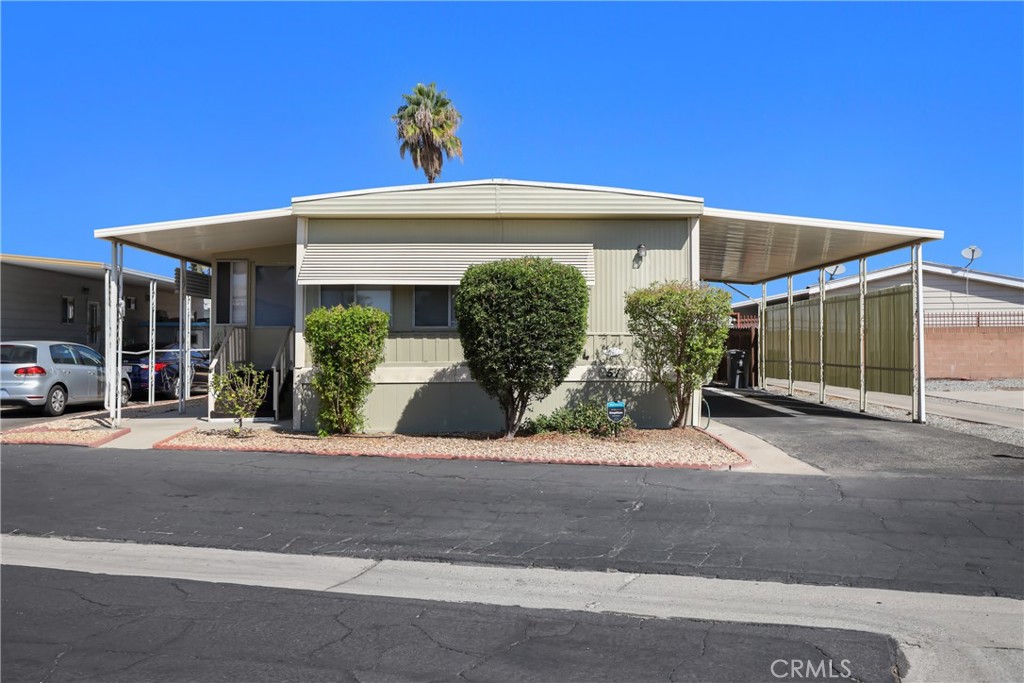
(679, 331)
(523, 324)
(346, 345)
(585, 418)
(240, 391)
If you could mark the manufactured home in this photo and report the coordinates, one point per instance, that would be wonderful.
(51, 298)
(404, 250)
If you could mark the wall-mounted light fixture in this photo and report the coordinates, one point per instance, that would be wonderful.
(641, 252)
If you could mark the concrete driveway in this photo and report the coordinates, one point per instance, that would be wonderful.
(846, 443)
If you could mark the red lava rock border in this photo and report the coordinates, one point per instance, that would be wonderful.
(116, 434)
(166, 445)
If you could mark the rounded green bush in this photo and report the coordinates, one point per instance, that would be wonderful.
(523, 324)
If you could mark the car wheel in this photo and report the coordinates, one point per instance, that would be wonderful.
(56, 401)
(126, 392)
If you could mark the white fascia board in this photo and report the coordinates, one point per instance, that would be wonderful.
(975, 275)
(109, 233)
(802, 221)
(496, 181)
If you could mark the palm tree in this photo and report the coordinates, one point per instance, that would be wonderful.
(426, 129)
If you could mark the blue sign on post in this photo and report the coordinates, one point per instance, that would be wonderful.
(616, 411)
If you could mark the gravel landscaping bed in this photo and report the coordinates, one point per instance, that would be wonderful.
(689, 448)
(70, 432)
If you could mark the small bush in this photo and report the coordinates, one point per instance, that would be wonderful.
(240, 391)
(346, 345)
(585, 418)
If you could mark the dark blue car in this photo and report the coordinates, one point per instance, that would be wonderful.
(165, 372)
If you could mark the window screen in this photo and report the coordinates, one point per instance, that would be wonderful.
(432, 306)
(232, 292)
(275, 296)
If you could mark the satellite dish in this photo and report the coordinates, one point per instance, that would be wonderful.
(837, 269)
(970, 253)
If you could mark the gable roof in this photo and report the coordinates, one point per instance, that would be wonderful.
(88, 269)
(497, 197)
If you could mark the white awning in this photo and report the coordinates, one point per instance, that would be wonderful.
(424, 264)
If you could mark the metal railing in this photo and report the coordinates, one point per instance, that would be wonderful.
(232, 349)
(980, 319)
(283, 361)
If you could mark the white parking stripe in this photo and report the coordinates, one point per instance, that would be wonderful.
(945, 637)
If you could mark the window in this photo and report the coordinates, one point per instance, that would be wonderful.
(67, 309)
(129, 303)
(434, 306)
(61, 354)
(275, 296)
(87, 356)
(364, 295)
(232, 292)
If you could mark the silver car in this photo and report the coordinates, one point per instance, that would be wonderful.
(54, 375)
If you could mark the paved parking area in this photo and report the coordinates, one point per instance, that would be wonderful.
(846, 443)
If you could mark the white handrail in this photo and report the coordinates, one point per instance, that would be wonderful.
(281, 365)
(232, 350)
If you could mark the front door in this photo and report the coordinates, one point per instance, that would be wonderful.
(92, 324)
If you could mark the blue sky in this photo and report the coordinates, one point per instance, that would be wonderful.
(909, 114)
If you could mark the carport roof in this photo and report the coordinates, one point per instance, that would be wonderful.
(87, 269)
(735, 246)
(746, 247)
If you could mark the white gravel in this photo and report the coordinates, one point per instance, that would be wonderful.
(639, 447)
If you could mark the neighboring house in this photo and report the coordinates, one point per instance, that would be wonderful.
(947, 289)
(404, 249)
(974, 321)
(62, 299)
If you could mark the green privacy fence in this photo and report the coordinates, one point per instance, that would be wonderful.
(888, 332)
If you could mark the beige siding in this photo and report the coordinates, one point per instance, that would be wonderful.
(946, 294)
(503, 199)
(263, 341)
(614, 241)
(439, 406)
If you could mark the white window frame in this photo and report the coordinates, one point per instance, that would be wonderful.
(217, 293)
(451, 309)
(67, 313)
(355, 297)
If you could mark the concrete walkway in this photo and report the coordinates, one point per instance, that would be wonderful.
(973, 410)
(944, 637)
(764, 457)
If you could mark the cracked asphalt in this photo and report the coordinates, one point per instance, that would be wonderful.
(961, 536)
(67, 626)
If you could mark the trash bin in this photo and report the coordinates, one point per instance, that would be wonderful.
(737, 369)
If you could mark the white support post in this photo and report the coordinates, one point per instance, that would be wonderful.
(182, 360)
(762, 309)
(697, 399)
(151, 371)
(187, 353)
(109, 315)
(862, 340)
(919, 412)
(113, 323)
(299, 348)
(789, 335)
(821, 335)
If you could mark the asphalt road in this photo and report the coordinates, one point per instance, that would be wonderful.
(846, 443)
(933, 535)
(67, 626)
